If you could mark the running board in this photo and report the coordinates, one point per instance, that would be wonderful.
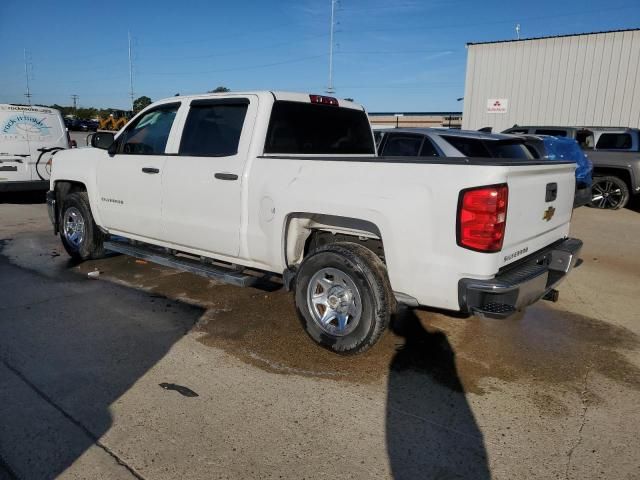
(182, 262)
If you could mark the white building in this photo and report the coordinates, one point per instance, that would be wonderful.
(590, 79)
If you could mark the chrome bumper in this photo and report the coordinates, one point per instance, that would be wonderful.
(522, 284)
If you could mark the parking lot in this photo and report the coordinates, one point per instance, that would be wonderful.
(145, 372)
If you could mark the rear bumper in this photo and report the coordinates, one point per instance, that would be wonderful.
(522, 284)
(24, 186)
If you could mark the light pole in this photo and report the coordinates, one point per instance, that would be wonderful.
(330, 88)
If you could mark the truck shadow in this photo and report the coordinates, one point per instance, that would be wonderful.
(23, 198)
(634, 203)
(431, 431)
(70, 348)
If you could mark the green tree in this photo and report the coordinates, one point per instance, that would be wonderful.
(140, 103)
(219, 89)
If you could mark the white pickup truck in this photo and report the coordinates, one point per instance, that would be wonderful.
(238, 185)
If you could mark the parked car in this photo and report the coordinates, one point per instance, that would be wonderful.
(563, 148)
(29, 137)
(81, 125)
(234, 185)
(615, 154)
(439, 142)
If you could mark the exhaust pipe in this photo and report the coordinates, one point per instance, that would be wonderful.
(552, 295)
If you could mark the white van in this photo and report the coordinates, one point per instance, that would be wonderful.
(29, 137)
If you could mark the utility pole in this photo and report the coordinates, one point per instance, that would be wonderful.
(330, 88)
(130, 72)
(26, 76)
(75, 97)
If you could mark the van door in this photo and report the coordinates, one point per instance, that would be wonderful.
(129, 180)
(15, 158)
(202, 185)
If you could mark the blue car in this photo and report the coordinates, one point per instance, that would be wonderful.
(562, 148)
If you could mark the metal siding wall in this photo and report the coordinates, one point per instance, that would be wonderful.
(634, 113)
(576, 80)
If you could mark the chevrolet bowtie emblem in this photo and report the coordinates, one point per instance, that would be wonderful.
(548, 213)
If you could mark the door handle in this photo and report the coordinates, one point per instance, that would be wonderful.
(226, 176)
(150, 170)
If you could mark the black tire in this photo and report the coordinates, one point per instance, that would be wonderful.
(609, 193)
(369, 275)
(90, 245)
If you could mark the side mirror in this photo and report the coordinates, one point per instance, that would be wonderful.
(102, 140)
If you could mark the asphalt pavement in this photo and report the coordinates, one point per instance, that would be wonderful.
(145, 372)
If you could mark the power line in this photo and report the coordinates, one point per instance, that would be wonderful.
(252, 67)
(130, 71)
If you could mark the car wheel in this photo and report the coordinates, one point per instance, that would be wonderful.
(81, 237)
(609, 193)
(343, 297)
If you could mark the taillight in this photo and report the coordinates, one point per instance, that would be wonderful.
(482, 217)
(323, 100)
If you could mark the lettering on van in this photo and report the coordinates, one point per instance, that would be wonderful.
(25, 125)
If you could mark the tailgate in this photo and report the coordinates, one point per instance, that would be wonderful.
(539, 208)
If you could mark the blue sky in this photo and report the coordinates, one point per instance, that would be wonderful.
(402, 55)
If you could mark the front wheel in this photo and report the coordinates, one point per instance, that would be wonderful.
(609, 193)
(81, 237)
(343, 297)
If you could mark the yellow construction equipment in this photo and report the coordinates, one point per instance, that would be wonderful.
(112, 123)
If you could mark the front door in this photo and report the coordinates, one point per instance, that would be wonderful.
(130, 177)
(202, 185)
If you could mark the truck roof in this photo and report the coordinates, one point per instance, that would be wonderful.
(276, 95)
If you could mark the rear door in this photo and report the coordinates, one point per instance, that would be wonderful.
(130, 180)
(15, 158)
(202, 185)
(29, 136)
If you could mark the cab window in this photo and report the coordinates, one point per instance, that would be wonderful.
(149, 134)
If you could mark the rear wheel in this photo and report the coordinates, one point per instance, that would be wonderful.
(609, 193)
(343, 297)
(81, 237)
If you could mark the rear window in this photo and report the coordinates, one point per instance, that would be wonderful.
(474, 147)
(306, 128)
(34, 124)
(614, 141)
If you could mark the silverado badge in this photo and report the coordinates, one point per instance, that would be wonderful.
(548, 213)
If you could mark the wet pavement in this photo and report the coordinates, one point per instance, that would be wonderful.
(153, 373)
